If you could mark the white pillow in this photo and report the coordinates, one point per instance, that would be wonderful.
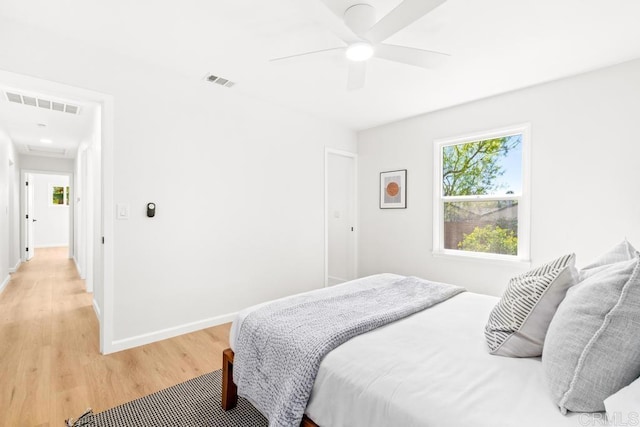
(623, 407)
(622, 252)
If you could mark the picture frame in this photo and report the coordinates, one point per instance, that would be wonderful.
(393, 189)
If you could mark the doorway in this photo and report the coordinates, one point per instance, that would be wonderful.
(49, 218)
(340, 217)
(94, 223)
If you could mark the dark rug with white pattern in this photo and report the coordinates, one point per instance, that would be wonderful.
(194, 403)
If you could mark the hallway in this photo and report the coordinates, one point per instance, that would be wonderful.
(50, 365)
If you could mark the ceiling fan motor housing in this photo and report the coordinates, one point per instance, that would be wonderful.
(360, 18)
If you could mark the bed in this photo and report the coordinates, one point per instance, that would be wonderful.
(429, 369)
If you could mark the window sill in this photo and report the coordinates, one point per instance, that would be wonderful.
(483, 257)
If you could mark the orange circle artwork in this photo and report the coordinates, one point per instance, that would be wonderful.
(392, 189)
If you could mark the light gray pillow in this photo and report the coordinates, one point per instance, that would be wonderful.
(592, 350)
(518, 324)
(621, 252)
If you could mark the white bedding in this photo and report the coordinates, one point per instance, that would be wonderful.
(431, 369)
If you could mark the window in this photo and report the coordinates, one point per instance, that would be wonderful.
(481, 195)
(59, 195)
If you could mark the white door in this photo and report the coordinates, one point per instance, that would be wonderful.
(340, 217)
(29, 250)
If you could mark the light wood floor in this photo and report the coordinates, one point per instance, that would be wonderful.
(50, 365)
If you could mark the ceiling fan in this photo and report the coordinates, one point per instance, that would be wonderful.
(363, 36)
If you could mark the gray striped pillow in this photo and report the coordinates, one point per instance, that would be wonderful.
(518, 323)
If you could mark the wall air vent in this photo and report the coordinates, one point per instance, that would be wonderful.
(46, 150)
(42, 103)
(219, 80)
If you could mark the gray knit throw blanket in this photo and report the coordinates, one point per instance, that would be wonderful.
(280, 346)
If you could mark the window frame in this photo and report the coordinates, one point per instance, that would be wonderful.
(524, 210)
(65, 196)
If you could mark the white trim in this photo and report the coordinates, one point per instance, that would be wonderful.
(5, 282)
(107, 206)
(96, 309)
(327, 152)
(482, 135)
(174, 331)
(336, 280)
(54, 245)
(75, 261)
(524, 208)
(482, 257)
(15, 268)
(483, 197)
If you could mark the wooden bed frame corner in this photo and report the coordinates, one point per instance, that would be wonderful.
(230, 390)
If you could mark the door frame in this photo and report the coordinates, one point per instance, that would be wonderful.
(106, 216)
(335, 152)
(25, 224)
(23, 208)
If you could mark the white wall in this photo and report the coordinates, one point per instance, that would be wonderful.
(5, 147)
(87, 201)
(585, 154)
(80, 223)
(238, 184)
(9, 209)
(13, 181)
(52, 226)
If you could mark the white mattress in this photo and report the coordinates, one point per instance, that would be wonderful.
(431, 369)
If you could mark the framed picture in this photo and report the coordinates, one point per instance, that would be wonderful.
(393, 189)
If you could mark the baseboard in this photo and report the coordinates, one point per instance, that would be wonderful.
(53, 245)
(75, 261)
(4, 283)
(15, 268)
(163, 334)
(96, 309)
(335, 280)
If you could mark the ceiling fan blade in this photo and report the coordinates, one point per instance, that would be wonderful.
(410, 55)
(404, 14)
(306, 53)
(320, 12)
(357, 75)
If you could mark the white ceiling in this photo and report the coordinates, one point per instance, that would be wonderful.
(496, 46)
(23, 124)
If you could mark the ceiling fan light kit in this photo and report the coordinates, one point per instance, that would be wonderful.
(364, 36)
(359, 51)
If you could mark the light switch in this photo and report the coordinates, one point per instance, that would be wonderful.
(122, 211)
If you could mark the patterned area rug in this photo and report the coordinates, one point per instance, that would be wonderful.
(194, 403)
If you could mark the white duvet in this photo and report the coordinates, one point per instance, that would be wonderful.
(432, 369)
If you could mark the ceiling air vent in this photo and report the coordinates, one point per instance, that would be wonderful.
(42, 103)
(219, 80)
(14, 97)
(46, 150)
(29, 100)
